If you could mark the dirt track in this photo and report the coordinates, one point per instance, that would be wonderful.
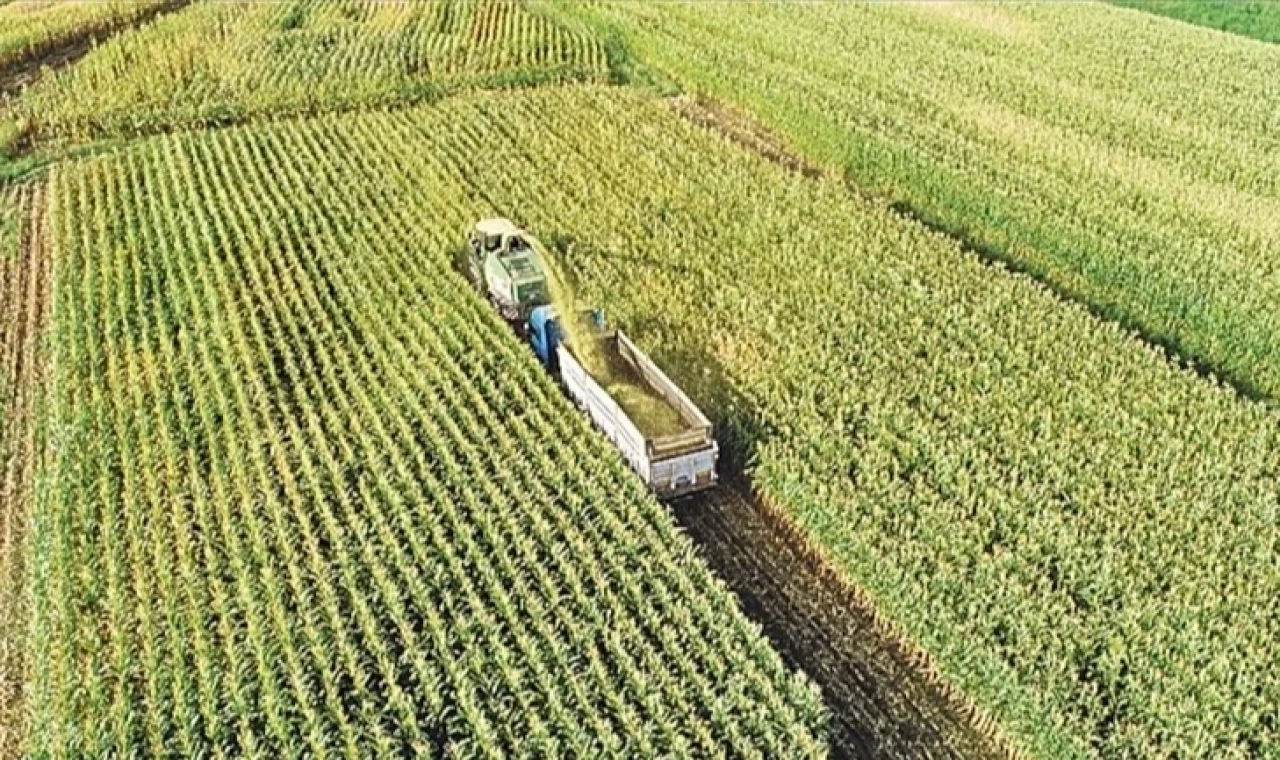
(881, 703)
(68, 51)
(24, 313)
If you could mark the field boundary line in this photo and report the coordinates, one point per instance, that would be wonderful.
(28, 142)
(742, 129)
(995, 258)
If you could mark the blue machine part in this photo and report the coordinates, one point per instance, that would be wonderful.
(544, 334)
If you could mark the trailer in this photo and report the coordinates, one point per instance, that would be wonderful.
(672, 462)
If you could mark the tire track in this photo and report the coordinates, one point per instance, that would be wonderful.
(881, 704)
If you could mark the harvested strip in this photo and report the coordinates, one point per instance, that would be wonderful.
(37, 33)
(882, 703)
(220, 63)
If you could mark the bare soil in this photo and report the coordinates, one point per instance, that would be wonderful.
(24, 314)
(883, 699)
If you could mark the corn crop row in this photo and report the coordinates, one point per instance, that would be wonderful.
(223, 62)
(313, 498)
(1017, 483)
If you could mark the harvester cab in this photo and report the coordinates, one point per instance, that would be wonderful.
(503, 264)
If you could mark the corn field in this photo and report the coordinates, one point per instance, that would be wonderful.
(312, 498)
(29, 28)
(227, 61)
(1002, 471)
(277, 483)
(1130, 161)
(351, 540)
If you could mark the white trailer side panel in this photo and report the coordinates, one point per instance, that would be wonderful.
(605, 412)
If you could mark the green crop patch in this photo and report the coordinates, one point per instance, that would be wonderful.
(1259, 19)
(311, 496)
(225, 62)
(1128, 160)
